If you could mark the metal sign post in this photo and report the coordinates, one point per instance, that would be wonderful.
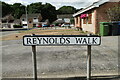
(88, 62)
(34, 61)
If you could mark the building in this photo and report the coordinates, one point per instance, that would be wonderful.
(17, 22)
(33, 20)
(64, 18)
(88, 18)
(7, 21)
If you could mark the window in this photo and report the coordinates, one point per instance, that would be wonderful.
(76, 20)
(89, 18)
(23, 19)
(24, 24)
(35, 18)
(30, 21)
(84, 20)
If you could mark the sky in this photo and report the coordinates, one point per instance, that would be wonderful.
(57, 3)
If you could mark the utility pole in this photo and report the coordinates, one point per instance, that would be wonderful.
(26, 15)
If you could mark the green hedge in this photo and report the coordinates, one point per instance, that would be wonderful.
(17, 26)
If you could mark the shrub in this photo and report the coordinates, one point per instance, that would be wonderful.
(17, 26)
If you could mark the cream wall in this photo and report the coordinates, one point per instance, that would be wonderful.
(77, 21)
(90, 27)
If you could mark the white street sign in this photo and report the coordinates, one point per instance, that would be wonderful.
(66, 40)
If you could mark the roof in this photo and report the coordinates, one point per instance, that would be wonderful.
(8, 17)
(94, 5)
(30, 15)
(59, 21)
(65, 16)
(17, 21)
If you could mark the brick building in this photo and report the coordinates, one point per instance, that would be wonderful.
(33, 20)
(7, 21)
(88, 18)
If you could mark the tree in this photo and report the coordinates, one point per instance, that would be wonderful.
(6, 9)
(66, 10)
(18, 10)
(35, 8)
(47, 10)
(114, 13)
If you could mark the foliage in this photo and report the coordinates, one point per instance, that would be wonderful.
(72, 20)
(18, 10)
(47, 10)
(17, 26)
(6, 8)
(114, 13)
(66, 10)
(35, 8)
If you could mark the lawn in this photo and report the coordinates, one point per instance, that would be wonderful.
(19, 35)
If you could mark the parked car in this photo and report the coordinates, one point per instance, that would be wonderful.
(59, 25)
(39, 26)
(52, 25)
(71, 25)
(65, 25)
(45, 25)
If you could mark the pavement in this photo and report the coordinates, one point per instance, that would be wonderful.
(113, 77)
(60, 62)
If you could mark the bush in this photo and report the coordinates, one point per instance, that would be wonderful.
(56, 24)
(17, 26)
(114, 13)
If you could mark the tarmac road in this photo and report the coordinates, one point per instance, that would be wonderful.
(59, 61)
(5, 33)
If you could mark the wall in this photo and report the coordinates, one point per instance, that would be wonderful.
(24, 22)
(30, 23)
(35, 20)
(7, 25)
(90, 27)
(102, 15)
(77, 21)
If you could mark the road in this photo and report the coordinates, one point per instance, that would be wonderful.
(6, 33)
(59, 61)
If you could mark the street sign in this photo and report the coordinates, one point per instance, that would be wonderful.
(61, 40)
